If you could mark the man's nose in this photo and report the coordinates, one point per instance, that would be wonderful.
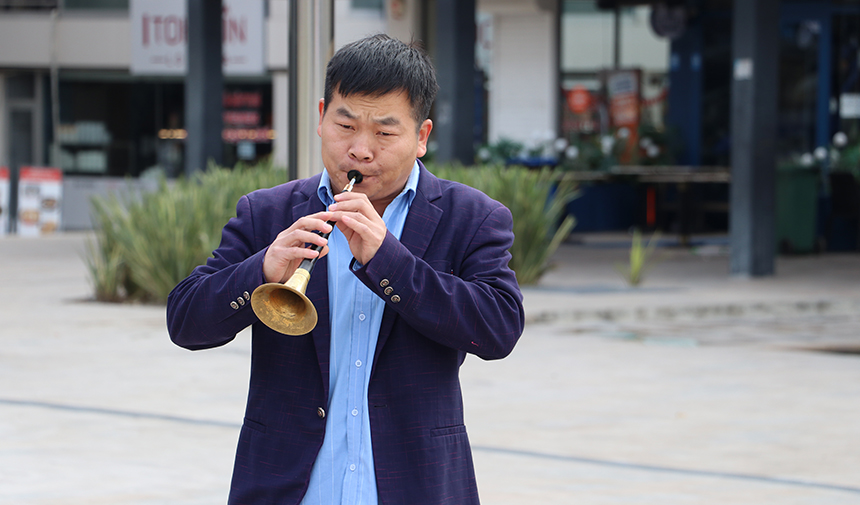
(360, 149)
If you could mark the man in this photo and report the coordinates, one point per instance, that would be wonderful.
(366, 408)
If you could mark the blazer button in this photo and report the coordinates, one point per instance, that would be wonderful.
(234, 305)
(321, 412)
(246, 295)
(395, 298)
(388, 290)
(240, 300)
(384, 282)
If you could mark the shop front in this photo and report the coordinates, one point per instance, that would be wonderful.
(119, 132)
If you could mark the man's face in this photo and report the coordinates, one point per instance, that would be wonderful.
(377, 136)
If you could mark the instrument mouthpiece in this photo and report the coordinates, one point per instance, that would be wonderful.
(354, 174)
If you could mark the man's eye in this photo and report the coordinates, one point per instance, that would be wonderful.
(345, 126)
(386, 134)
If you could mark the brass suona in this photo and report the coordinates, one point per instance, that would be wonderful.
(284, 307)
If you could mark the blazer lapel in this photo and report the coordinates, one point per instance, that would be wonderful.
(317, 290)
(421, 224)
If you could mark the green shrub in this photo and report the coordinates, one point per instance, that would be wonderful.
(537, 199)
(145, 245)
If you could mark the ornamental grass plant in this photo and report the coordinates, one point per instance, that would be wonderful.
(538, 201)
(144, 245)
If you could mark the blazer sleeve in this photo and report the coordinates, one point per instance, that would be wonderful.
(478, 311)
(210, 306)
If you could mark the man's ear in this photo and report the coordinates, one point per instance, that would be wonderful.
(322, 113)
(423, 135)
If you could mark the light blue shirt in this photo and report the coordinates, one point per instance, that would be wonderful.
(343, 472)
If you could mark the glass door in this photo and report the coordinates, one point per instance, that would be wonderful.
(804, 76)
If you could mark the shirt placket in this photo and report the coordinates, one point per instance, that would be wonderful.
(357, 356)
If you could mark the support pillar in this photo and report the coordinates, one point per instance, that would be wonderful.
(314, 46)
(755, 86)
(204, 86)
(454, 58)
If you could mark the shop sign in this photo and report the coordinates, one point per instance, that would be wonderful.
(159, 32)
(40, 192)
(4, 201)
(579, 99)
(622, 88)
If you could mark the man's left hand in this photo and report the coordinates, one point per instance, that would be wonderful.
(359, 222)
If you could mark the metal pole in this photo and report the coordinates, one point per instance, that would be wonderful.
(293, 99)
(616, 48)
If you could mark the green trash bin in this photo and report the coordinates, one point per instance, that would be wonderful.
(797, 209)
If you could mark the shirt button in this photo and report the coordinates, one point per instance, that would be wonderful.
(383, 282)
(358, 363)
(352, 467)
(362, 317)
(355, 412)
(321, 412)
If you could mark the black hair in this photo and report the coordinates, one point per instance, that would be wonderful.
(378, 65)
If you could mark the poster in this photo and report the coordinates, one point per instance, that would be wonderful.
(40, 192)
(4, 201)
(623, 92)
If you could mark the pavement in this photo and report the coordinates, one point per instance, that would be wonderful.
(693, 388)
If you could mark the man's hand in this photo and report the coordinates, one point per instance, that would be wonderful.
(288, 250)
(359, 222)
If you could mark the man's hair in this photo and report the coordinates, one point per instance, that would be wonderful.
(378, 65)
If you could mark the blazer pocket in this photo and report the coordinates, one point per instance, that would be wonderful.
(448, 430)
(255, 426)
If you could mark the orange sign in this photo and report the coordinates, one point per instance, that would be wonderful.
(579, 99)
(622, 87)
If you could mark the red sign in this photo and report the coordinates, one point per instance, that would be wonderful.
(4, 201)
(579, 99)
(241, 118)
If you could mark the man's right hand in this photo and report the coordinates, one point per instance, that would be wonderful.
(288, 250)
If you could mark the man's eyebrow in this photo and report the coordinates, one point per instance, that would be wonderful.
(385, 121)
(341, 111)
(388, 121)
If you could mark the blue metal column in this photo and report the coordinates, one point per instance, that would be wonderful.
(684, 114)
(755, 85)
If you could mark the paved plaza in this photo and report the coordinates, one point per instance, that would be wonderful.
(694, 388)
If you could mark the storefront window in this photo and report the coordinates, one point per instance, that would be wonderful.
(137, 128)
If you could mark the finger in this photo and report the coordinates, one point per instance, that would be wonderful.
(300, 239)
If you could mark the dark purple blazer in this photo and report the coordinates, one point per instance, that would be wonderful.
(453, 294)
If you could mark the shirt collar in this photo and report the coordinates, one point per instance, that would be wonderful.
(327, 196)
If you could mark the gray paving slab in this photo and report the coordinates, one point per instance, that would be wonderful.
(694, 388)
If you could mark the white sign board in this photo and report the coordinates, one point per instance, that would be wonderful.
(849, 105)
(40, 193)
(159, 37)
